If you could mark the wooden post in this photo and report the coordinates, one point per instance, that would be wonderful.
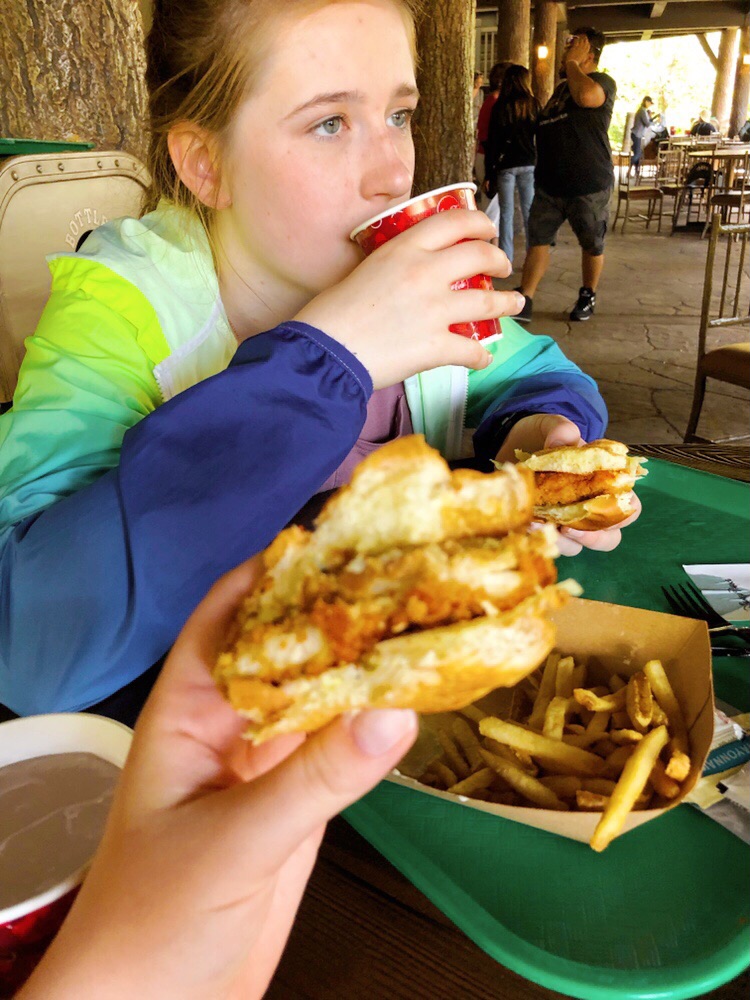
(443, 133)
(741, 85)
(513, 31)
(561, 34)
(721, 105)
(545, 34)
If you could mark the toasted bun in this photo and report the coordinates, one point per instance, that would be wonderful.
(606, 511)
(596, 456)
(587, 487)
(414, 590)
(402, 495)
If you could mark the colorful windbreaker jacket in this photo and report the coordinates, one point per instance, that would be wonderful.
(146, 453)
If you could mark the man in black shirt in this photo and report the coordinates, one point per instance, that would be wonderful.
(574, 176)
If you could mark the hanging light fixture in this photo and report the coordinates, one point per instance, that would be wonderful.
(542, 51)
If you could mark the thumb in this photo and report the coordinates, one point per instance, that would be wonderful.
(559, 431)
(332, 769)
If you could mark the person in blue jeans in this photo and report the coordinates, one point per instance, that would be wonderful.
(511, 151)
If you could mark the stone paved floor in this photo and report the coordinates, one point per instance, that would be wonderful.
(641, 344)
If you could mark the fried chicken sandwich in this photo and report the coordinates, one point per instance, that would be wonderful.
(419, 588)
(587, 487)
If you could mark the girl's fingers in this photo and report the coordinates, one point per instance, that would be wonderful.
(459, 350)
(438, 232)
(187, 728)
(477, 303)
(566, 545)
(599, 541)
(332, 769)
(472, 257)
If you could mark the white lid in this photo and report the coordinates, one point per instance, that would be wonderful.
(68, 732)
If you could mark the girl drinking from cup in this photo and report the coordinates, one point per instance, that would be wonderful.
(199, 373)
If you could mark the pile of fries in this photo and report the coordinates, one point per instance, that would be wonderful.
(567, 746)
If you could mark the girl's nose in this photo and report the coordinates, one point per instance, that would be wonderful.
(388, 170)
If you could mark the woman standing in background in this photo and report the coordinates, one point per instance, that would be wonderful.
(511, 151)
(641, 124)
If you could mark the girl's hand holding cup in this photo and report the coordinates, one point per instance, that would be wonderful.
(395, 310)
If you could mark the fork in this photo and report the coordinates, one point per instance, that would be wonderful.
(689, 602)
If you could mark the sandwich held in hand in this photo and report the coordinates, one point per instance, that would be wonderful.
(419, 588)
(587, 487)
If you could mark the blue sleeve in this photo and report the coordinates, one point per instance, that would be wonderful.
(546, 382)
(96, 587)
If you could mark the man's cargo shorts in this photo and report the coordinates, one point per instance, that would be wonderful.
(588, 215)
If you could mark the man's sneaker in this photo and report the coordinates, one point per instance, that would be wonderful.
(584, 307)
(528, 305)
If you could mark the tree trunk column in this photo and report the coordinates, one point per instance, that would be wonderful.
(443, 132)
(741, 85)
(561, 35)
(721, 105)
(545, 34)
(74, 69)
(513, 31)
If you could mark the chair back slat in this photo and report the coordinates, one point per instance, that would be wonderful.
(733, 289)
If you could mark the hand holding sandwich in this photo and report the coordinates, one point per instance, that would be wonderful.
(210, 842)
(547, 430)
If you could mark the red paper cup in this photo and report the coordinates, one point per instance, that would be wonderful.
(383, 227)
(28, 926)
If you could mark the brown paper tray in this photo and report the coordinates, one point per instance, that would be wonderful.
(612, 639)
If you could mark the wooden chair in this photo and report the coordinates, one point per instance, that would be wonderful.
(734, 196)
(731, 362)
(670, 174)
(47, 203)
(628, 190)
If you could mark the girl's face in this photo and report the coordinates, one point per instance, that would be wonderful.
(321, 145)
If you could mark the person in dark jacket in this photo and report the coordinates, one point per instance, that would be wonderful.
(641, 125)
(703, 125)
(511, 151)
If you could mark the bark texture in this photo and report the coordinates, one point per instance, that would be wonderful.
(545, 33)
(74, 69)
(443, 135)
(741, 85)
(721, 105)
(513, 31)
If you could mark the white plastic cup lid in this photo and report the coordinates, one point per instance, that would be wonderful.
(69, 732)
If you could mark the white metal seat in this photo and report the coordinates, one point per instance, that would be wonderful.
(47, 203)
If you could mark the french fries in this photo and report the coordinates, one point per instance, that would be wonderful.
(567, 745)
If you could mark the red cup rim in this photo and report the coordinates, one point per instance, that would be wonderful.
(28, 906)
(405, 204)
(35, 735)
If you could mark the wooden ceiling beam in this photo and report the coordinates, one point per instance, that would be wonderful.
(695, 16)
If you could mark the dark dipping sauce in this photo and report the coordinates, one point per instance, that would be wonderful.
(52, 815)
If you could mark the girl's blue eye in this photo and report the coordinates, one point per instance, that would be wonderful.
(401, 119)
(330, 126)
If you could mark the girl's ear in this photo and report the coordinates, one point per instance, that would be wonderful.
(195, 155)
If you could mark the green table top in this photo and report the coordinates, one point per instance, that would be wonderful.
(664, 911)
(31, 147)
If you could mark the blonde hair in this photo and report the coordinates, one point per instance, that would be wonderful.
(203, 58)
